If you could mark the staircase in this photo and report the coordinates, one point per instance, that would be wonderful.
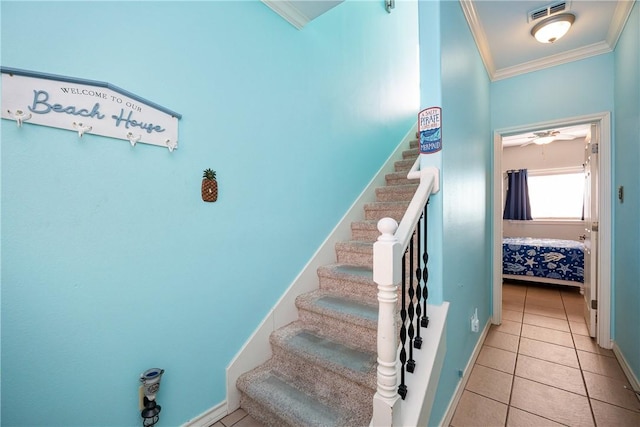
(323, 369)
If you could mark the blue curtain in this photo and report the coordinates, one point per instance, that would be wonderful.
(517, 205)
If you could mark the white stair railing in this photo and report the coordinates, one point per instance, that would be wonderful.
(389, 272)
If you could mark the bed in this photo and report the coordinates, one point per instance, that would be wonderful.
(559, 262)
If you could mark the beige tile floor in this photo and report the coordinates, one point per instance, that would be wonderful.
(538, 368)
(541, 368)
(238, 418)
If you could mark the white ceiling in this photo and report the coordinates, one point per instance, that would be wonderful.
(502, 31)
(503, 34)
(300, 12)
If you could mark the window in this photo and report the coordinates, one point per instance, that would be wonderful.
(556, 195)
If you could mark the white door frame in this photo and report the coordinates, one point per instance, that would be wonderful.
(603, 122)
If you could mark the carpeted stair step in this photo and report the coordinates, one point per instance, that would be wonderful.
(274, 399)
(355, 253)
(399, 178)
(345, 319)
(411, 154)
(403, 165)
(323, 369)
(348, 280)
(334, 366)
(353, 281)
(378, 210)
(415, 143)
(365, 230)
(396, 193)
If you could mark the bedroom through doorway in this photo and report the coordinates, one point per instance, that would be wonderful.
(566, 240)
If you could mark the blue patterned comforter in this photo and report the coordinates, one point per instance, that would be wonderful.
(549, 258)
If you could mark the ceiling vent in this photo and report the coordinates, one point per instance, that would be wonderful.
(548, 10)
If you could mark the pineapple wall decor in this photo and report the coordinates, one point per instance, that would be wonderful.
(209, 186)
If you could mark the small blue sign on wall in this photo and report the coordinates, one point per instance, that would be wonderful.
(430, 130)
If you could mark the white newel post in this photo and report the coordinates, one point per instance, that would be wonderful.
(387, 276)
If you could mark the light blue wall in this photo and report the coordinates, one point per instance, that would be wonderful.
(472, 108)
(627, 158)
(431, 96)
(568, 90)
(465, 189)
(112, 264)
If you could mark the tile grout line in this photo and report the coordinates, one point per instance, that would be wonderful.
(563, 302)
(584, 382)
(573, 304)
(582, 371)
(517, 356)
(513, 377)
(237, 421)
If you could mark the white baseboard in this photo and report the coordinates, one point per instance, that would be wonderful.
(257, 349)
(633, 380)
(209, 417)
(453, 404)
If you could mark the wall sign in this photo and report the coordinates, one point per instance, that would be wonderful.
(430, 129)
(86, 106)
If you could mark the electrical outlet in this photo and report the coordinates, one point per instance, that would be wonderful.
(475, 325)
(475, 322)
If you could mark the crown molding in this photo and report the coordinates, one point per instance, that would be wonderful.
(288, 11)
(477, 31)
(553, 60)
(299, 13)
(620, 17)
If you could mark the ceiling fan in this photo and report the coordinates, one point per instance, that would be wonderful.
(548, 136)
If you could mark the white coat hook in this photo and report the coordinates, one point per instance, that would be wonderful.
(171, 145)
(81, 128)
(133, 139)
(389, 4)
(19, 116)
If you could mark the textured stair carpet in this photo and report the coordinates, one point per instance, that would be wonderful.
(323, 369)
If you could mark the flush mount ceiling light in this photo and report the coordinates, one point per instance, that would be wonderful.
(552, 28)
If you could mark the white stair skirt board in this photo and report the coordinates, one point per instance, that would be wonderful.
(453, 404)
(257, 349)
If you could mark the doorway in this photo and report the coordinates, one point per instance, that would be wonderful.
(602, 122)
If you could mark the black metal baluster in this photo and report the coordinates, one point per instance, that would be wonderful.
(411, 364)
(417, 342)
(424, 322)
(402, 388)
